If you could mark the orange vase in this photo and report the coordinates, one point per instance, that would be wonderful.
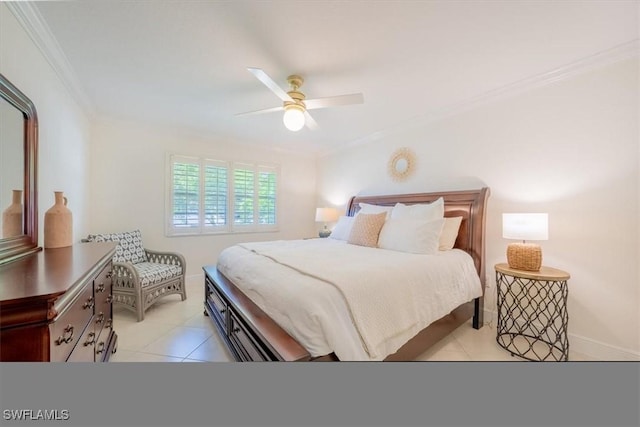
(58, 224)
(12, 224)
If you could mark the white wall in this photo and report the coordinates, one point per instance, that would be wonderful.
(128, 187)
(63, 125)
(569, 148)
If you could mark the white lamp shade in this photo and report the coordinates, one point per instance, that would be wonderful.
(326, 215)
(293, 119)
(525, 226)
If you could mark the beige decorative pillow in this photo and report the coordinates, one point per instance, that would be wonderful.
(449, 232)
(366, 229)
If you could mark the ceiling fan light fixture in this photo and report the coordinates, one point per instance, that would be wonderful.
(295, 104)
(293, 117)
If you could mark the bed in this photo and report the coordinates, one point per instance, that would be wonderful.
(254, 328)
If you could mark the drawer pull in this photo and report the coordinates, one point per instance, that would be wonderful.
(236, 330)
(64, 338)
(100, 318)
(108, 276)
(100, 288)
(100, 347)
(88, 304)
(109, 299)
(224, 310)
(108, 323)
(92, 337)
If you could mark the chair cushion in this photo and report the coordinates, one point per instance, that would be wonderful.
(129, 249)
(151, 273)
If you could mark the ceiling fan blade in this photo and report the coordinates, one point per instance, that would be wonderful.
(266, 110)
(268, 82)
(334, 101)
(309, 121)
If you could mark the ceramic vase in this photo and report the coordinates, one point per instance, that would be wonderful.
(12, 224)
(58, 223)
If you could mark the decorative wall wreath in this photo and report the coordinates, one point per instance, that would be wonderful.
(401, 164)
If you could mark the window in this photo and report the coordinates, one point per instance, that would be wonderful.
(212, 196)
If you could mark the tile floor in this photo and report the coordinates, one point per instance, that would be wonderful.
(177, 331)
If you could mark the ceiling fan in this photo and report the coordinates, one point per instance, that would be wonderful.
(295, 105)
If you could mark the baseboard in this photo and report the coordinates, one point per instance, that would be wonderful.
(594, 350)
(599, 350)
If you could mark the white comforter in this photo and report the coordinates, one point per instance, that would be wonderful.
(361, 303)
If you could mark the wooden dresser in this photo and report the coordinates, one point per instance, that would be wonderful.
(56, 305)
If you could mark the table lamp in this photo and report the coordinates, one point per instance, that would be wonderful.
(525, 226)
(326, 215)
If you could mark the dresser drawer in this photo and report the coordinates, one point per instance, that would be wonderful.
(217, 304)
(102, 287)
(103, 295)
(242, 341)
(104, 335)
(84, 351)
(69, 326)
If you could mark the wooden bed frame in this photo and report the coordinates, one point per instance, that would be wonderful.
(251, 335)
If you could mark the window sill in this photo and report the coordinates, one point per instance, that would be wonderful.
(223, 232)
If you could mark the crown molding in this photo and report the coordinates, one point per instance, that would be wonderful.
(34, 24)
(615, 54)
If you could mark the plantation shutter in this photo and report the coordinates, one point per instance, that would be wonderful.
(216, 206)
(185, 197)
(267, 191)
(243, 193)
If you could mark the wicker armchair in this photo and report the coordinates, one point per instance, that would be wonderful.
(140, 277)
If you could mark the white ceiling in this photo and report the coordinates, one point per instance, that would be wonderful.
(183, 63)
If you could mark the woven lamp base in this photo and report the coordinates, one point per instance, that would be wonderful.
(524, 256)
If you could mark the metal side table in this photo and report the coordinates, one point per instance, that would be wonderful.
(532, 313)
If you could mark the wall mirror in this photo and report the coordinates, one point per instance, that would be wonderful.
(18, 173)
(401, 164)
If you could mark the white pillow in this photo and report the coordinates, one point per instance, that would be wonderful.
(424, 211)
(342, 229)
(449, 233)
(366, 208)
(411, 235)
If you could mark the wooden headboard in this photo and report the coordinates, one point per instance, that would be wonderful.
(469, 204)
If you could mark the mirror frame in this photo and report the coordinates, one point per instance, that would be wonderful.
(16, 247)
(399, 155)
